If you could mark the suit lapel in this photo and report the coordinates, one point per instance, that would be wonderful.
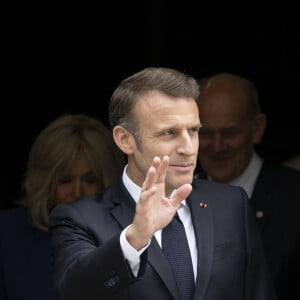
(260, 199)
(203, 226)
(160, 264)
(124, 213)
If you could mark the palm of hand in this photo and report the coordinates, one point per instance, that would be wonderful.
(155, 208)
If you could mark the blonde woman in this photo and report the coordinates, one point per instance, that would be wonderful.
(74, 156)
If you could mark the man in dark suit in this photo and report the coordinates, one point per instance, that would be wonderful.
(112, 245)
(232, 124)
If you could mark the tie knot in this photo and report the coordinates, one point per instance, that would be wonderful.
(176, 216)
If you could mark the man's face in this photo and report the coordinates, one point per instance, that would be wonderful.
(170, 127)
(227, 136)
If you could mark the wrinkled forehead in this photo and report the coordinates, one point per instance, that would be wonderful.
(166, 111)
(157, 102)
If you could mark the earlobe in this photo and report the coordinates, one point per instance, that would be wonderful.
(124, 139)
(259, 128)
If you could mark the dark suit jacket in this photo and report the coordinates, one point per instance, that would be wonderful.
(277, 195)
(89, 263)
(25, 258)
(276, 203)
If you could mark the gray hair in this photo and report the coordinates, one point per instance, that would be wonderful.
(165, 80)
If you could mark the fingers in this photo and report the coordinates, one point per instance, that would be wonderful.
(150, 179)
(156, 173)
(162, 170)
(180, 194)
(161, 167)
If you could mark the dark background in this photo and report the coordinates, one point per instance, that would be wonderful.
(58, 59)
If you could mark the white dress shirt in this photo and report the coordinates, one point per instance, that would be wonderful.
(248, 178)
(184, 214)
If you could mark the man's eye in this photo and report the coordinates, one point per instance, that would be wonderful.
(231, 133)
(168, 132)
(194, 130)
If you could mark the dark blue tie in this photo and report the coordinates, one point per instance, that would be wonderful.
(176, 249)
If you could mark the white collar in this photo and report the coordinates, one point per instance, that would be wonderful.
(248, 178)
(133, 189)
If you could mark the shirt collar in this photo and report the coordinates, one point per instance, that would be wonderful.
(135, 190)
(248, 178)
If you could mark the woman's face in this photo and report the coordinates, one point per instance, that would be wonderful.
(77, 182)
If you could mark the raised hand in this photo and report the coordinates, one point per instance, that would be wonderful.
(154, 209)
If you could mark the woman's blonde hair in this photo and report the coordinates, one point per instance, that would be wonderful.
(54, 151)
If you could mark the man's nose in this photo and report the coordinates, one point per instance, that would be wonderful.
(186, 144)
(217, 143)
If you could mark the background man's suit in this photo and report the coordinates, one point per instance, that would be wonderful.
(277, 195)
(231, 262)
(276, 203)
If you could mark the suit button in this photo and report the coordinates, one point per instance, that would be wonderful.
(259, 214)
(111, 282)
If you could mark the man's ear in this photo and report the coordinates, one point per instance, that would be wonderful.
(124, 139)
(259, 128)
